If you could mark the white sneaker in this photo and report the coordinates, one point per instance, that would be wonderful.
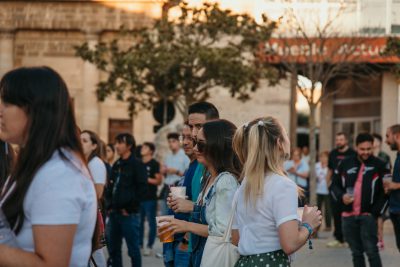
(147, 251)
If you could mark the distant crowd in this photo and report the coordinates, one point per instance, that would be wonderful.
(224, 195)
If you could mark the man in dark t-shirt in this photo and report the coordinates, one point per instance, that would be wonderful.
(341, 152)
(148, 208)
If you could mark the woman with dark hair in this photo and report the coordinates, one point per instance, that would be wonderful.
(7, 158)
(212, 211)
(92, 149)
(49, 199)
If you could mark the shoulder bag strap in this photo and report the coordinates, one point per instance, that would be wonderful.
(227, 234)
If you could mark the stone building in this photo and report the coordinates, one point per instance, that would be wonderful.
(44, 33)
(34, 33)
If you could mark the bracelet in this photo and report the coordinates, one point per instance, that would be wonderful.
(310, 231)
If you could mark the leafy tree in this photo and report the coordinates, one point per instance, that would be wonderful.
(393, 49)
(181, 59)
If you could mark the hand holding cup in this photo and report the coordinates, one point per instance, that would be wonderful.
(312, 216)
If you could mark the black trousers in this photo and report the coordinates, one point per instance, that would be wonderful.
(337, 219)
(362, 235)
(395, 217)
(323, 200)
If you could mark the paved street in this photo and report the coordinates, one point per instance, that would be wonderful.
(320, 256)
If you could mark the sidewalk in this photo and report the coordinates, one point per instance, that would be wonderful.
(319, 256)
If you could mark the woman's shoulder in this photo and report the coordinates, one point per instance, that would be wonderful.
(227, 178)
(96, 161)
(61, 166)
(278, 181)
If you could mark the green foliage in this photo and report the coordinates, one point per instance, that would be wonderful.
(393, 49)
(203, 48)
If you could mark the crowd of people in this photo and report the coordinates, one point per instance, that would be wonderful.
(244, 191)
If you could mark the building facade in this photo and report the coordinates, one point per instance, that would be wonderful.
(36, 33)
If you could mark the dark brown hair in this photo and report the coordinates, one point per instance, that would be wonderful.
(219, 151)
(43, 94)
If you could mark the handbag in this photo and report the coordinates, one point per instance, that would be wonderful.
(98, 238)
(219, 251)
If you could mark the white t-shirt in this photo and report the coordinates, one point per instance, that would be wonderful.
(178, 161)
(301, 168)
(61, 192)
(98, 170)
(322, 187)
(258, 224)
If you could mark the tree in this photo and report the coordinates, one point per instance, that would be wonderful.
(318, 52)
(181, 59)
(393, 49)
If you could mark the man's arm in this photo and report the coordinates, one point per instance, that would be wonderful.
(381, 198)
(157, 179)
(141, 180)
(336, 186)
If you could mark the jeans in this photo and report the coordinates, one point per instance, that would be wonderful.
(174, 256)
(148, 210)
(395, 217)
(336, 209)
(362, 235)
(324, 200)
(120, 226)
(198, 242)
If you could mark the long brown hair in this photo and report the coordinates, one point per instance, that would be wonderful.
(51, 126)
(218, 150)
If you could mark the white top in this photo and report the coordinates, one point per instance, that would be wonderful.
(61, 192)
(98, 170)
(322, 187)
(177, 161)
(301, 168)
(218, 208)
(258, 224)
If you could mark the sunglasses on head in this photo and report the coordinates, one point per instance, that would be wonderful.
(201, 146)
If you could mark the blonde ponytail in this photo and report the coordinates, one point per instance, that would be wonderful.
(258, 146)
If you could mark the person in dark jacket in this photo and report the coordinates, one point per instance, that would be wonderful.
(357, 182)
(126, 188)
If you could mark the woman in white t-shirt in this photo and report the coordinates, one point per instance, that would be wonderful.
(49, 199)
(91, 148)
(91, 145)
(266, 227)
(321, 171)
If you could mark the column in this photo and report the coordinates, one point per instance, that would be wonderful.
(326, 125)
(6, 51)
(90, 107)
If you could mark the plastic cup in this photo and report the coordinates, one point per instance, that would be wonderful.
(300, 211)
(350, 191)
(387, 179)
(167, 237)
(178, 191)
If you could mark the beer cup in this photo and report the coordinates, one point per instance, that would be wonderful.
(166, 237)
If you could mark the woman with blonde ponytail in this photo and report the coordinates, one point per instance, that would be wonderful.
(266, 225)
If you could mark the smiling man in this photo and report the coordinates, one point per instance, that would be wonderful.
(357, 182)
